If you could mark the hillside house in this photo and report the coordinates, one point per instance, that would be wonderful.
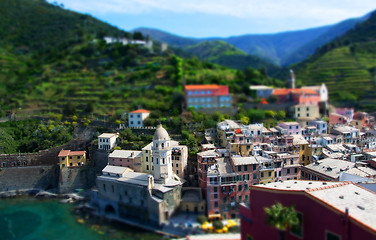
(68, 158)
(107, 141)
(137, 117)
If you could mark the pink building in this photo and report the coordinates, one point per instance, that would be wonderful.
(228, 183)
(335, 118)
(291, 128)
(327, 210)
(126, 158)
(297, 95)
(348, 112)
(204, 161)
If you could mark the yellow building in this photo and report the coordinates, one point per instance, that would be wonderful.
(243, 149)
(68, 158)
(192, 201)
(266, 170)
(308, 151)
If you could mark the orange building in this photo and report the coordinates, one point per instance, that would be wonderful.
(68, 158)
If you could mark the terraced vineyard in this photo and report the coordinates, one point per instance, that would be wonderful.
(342, 72)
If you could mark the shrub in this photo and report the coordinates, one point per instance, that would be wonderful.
(217, 224)
(201, 219)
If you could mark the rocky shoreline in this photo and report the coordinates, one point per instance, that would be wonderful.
(42, 194)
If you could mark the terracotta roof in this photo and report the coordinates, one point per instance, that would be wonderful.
(77, 153)
(285, 91)
(141, 111)
(65, 153)
(201, 87)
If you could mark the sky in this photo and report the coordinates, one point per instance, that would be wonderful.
(221, 18)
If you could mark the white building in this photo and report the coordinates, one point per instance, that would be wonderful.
(136, 118)
(262, 91)
(322, 90)
(107, 141)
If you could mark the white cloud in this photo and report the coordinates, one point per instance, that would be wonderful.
(318, 12)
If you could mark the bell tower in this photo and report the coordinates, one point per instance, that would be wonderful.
(291, 80)
(161, 151)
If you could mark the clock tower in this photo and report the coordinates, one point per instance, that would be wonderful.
(161, 151)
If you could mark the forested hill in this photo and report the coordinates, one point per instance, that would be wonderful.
(225, 54)
(54, 63)
(37, 25)
(347, 65)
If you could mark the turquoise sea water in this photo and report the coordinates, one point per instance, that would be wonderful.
(33, 219)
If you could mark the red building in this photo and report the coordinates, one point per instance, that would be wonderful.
(327, 210)
(299, 96)
(207, 96)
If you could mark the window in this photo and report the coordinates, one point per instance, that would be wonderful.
(215, 204)
(147, 159)
(254, 167)
(291, 161)
(288, 171)
(78, 157)
(240, 187)
(215, 189)
(245, 168)
(215, 196)
(177, 165)
(177, 172)
(254, 176)
(296, 170)
(240, 199)
(239, 168)
(262, 174)
(270, 174)
(245, 187)
(147, 167)
(138, 122)
(332, 236)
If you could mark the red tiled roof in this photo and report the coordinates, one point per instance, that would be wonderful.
(65, 153)
(285, 91)
(223, 90)
(77, 153)
(141, 111)
(201, 87)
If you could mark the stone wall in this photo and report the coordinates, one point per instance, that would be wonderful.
(41, 177)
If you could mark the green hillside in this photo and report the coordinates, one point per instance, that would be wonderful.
(170, 39)
(55, 63)
(225, 54)
(39, 26)
(347, 65)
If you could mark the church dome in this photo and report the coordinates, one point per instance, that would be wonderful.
(161, 133)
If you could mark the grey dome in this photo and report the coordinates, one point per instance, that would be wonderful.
(161, 133)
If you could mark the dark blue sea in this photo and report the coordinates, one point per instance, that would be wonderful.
(34, 219)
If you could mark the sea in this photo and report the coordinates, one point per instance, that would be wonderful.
(35, 219)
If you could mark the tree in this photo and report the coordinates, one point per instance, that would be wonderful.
(282, 218)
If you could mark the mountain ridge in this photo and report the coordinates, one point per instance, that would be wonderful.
(297, 45)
